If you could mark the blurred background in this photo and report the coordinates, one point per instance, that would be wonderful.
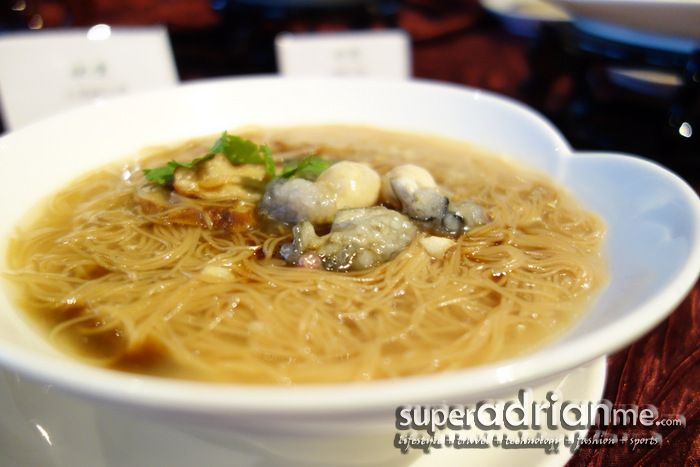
(602, 93)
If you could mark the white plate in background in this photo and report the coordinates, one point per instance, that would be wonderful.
(524, 17)
(665, 24)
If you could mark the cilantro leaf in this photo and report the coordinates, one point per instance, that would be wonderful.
(310, 167)
(242, 151)
(162, 175)
(165, 174)
(236, 149)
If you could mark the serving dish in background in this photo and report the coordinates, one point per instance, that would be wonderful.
(525, 17)
(652, 247)
(663, 24)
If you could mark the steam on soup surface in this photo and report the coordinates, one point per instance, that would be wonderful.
(306, 254)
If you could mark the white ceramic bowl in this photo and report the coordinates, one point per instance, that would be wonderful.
(653, 242)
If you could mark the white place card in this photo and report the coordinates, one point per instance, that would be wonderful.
(45, 72)
(377, 54)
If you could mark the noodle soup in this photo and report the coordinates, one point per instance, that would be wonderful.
(134, 276)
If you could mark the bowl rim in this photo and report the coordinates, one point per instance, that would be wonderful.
(322, 399)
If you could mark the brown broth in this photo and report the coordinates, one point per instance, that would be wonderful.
(108, 283)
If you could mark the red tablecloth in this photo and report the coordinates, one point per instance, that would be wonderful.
(662, 369)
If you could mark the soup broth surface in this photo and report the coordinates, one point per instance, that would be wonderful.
(110, 284)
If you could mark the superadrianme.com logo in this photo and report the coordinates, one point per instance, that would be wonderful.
(548, 424)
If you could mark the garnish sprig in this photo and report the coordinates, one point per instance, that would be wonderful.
(236, 149)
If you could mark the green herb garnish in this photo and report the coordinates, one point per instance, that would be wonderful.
(242, 151)
(236, 149)
(310, 167)
(164, 174)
